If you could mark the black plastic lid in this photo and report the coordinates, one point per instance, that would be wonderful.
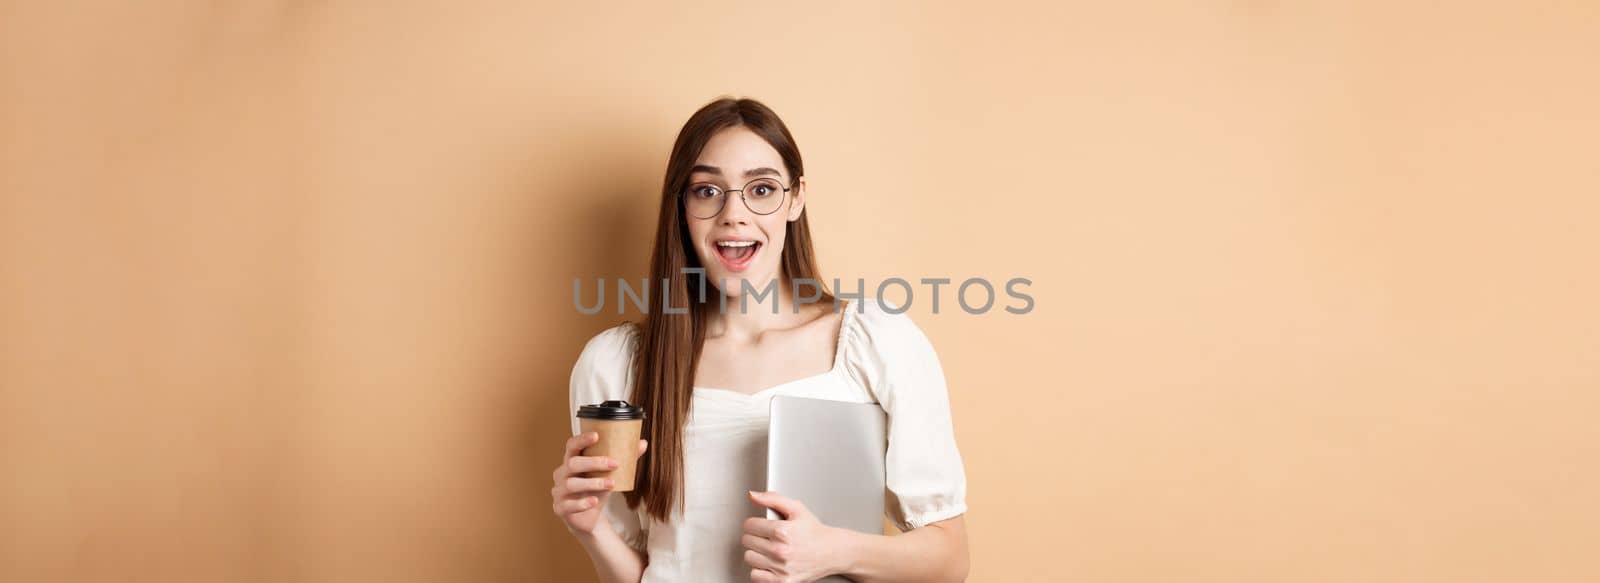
(611, 410)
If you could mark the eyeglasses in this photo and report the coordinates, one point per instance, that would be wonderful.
(763, 196)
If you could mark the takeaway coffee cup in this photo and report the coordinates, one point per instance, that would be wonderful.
(618, 424)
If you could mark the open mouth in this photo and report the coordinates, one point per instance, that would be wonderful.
(736, 255)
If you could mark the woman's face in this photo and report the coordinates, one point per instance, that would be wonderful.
(737, 244)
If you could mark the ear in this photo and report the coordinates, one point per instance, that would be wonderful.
(797, 203)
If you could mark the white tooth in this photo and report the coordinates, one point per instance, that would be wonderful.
(735, 243)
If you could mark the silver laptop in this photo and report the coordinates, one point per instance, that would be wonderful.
(829, 456)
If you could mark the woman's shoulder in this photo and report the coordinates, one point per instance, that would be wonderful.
(605, 364)
(889, 354)
(881, 320)
(614, 341)
(879, 329)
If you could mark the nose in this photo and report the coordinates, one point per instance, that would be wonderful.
(734, 212)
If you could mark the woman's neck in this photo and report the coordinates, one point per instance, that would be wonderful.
(746, 316)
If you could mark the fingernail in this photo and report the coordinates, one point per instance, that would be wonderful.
(611, 464)
(609, 483)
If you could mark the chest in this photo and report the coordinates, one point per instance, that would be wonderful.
(750, 367)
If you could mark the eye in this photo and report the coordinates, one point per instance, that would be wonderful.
(704, 191)
(763, 189)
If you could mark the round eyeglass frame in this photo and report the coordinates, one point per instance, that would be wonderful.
(725, 193)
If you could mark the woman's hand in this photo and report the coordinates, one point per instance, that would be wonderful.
(575, 499)
(798, 548)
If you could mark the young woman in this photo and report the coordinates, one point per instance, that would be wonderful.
(733, 204)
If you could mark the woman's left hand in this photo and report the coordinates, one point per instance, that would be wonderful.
(798, 548)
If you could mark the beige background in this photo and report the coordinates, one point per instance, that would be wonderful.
(286, 285)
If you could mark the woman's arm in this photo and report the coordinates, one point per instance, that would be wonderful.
(581, 502)
(614, 561)
(936, 552)
(801, 548)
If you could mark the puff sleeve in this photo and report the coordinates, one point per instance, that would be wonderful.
(925, 477)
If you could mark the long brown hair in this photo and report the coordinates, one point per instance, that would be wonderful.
(668, 348)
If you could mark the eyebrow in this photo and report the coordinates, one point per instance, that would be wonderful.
(748, 173)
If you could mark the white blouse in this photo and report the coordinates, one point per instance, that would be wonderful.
(881, 358)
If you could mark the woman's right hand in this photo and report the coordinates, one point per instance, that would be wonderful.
(577, 500)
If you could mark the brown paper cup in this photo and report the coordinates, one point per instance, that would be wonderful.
(619, 440)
